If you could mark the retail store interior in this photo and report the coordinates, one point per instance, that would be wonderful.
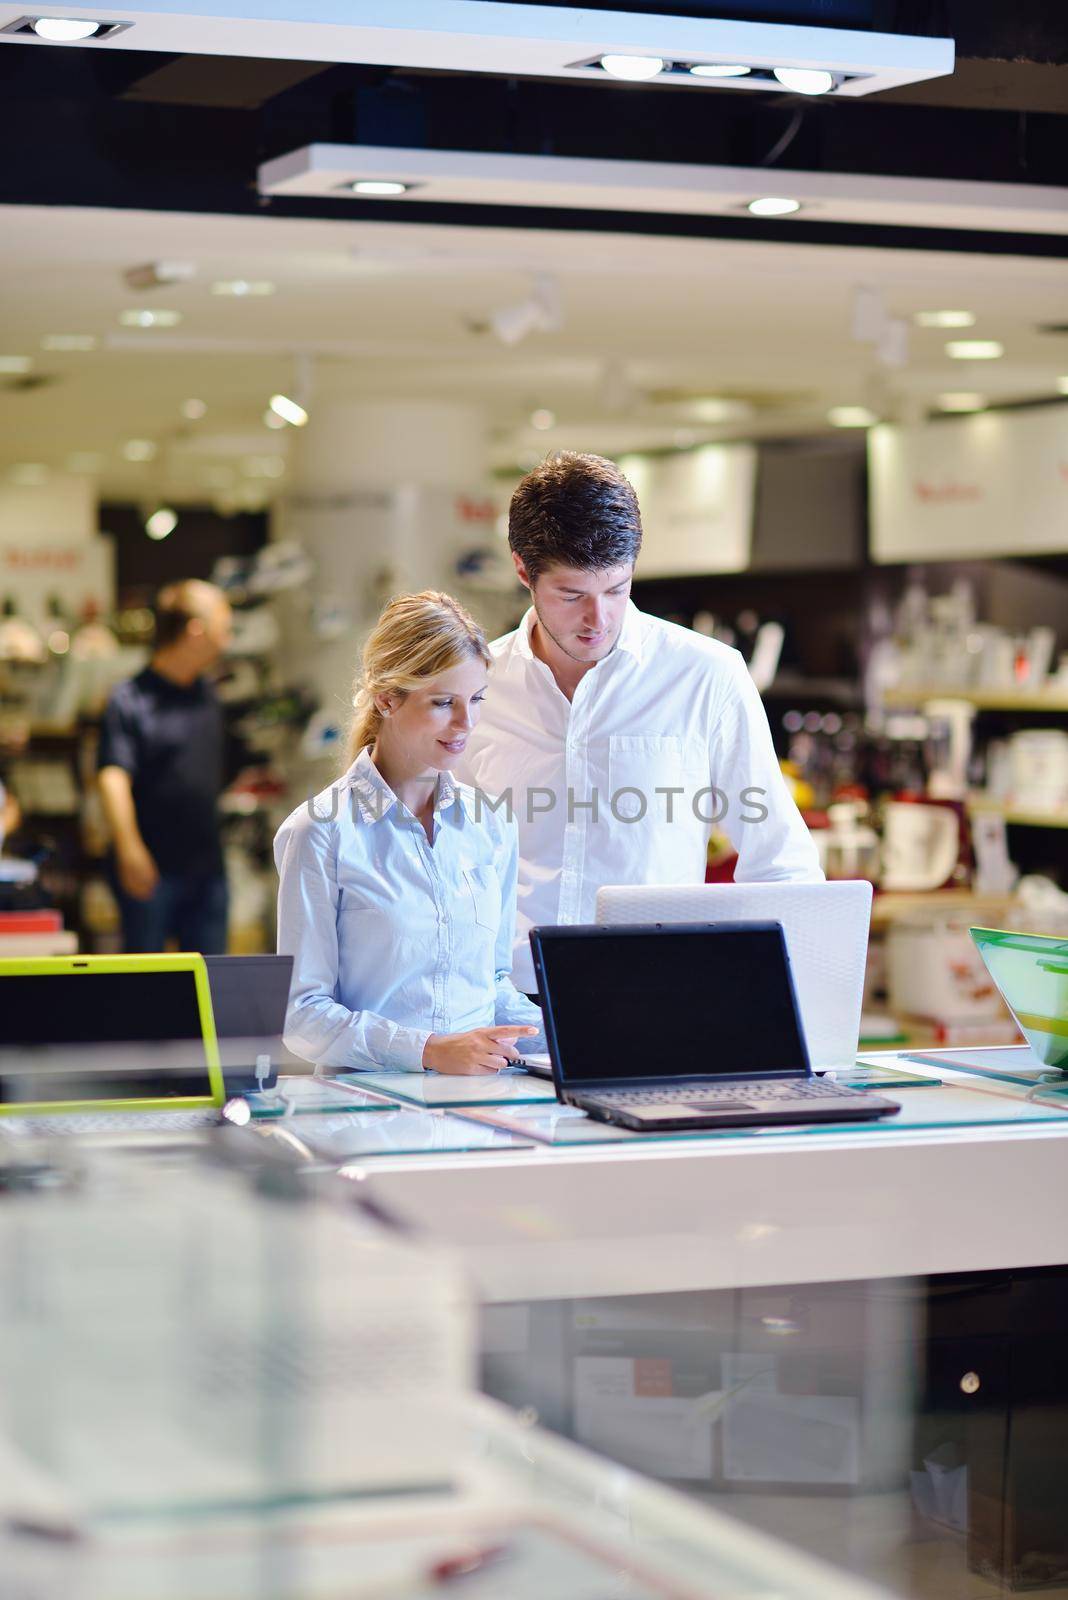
(917, 689)
(293, 307)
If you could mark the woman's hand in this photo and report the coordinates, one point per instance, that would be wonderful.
(482, 1051)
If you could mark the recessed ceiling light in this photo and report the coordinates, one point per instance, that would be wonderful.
(152, 274)
(1062, 385)
(851, 417)
(65, 30)
(542, 419)
(944, 319)
(773, 206)
(974, 349)
(194, 410)
(960, 400)
(709, 408)
(149, 319)
(161, 523)
(15, 364)
(29, 474)
(243, 286)
(69, 341)
(715, 69)
(805, 80)
(139, 450)
(380, 188)
(633, 69)
(288, 410)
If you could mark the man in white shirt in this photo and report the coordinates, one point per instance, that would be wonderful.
(617, 740)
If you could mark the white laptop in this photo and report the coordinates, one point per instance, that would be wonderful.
(826, 927)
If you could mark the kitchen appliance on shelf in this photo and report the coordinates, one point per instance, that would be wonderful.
(925, 844)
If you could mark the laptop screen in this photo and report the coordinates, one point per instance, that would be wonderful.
(83, 1036)
(668, 1003)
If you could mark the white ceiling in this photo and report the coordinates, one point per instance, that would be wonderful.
(399, 309)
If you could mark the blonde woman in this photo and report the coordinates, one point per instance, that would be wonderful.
(396, 886)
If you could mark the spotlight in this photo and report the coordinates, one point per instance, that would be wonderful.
(150, 319)
(961, 401)
(633, 69)
(154, 274)
(288, 410)
(161, 523)
(194, 410)
(542, 419)
(805, 80)
(773, 206)
(851, 417)
(380, 188)
(713, 69)
(65, 30)
(974, 349)
(944, 319)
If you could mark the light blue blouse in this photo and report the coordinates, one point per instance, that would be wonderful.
(393, 938)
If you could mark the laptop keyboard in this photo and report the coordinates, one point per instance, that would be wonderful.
(80, 1122)
(710, 1094)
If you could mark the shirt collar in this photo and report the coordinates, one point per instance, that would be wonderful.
(376, 799)
(631, 635)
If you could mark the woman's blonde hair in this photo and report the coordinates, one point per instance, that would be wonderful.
(417, 637)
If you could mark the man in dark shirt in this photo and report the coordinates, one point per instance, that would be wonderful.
(160, 768)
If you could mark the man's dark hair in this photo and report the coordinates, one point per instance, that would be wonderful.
(574, 511)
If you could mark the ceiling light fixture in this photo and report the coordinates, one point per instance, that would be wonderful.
(194, 410)
(28, 474)
(805, 80)
(380, 188)
(773, 206)
(161, 523)
(959, 400)
(150, 319)
(540, 312)
(289, 411)
(974, 349)
(65, 30)
(542, 419)
(944, 319)
(139, 450)
(715, 69)
(154, 274)
(69, 341)
(851, 417)
(243, 286)
(15, 365)
(633, 69)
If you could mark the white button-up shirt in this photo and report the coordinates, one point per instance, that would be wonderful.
(393, 938)
(588, 780)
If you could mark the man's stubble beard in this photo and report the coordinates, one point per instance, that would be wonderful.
(582, 661)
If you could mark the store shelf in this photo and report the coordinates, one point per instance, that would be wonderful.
(893, 903)
(1053, 699)
(1018, 819)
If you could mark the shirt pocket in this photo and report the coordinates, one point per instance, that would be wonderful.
(485, 891)
(641, 763)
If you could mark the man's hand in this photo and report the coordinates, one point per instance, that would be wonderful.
(138, 873)
(478, 1053)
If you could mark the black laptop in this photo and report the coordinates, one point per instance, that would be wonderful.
(683, 1025)
(249, 996)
